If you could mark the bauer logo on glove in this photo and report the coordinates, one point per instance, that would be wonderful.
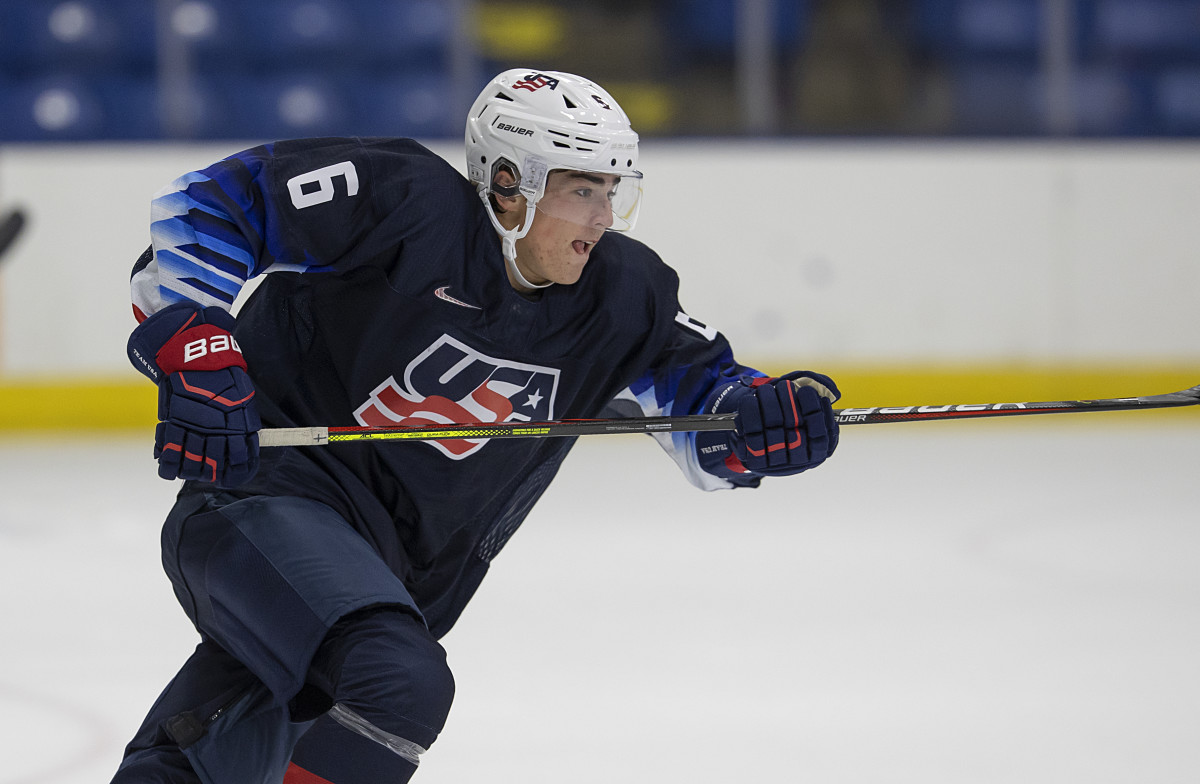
(209, 346)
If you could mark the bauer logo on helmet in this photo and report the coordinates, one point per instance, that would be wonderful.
(503, 126)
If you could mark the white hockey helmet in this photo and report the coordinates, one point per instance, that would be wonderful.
(539, 121)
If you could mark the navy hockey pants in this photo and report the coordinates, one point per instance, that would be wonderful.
(314, 666)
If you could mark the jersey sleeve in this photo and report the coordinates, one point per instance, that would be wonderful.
(696, 360)
(301, 206)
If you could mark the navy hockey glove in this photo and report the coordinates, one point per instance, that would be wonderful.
(785, 425)
(209, 424)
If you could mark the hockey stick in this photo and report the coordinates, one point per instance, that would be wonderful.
(10, 227)
(319, 436)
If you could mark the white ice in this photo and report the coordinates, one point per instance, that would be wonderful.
(943, 603)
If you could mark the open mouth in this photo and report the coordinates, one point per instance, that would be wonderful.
(583, 247)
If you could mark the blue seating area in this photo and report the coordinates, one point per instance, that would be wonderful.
(1136, 64)
(89, 69)
(93, 69)
(974, 31)
(706, 29)
(1146, 31)
(38, 36)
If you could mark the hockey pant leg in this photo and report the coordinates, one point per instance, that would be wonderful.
(265, 580)
(208, 684)
(392, 691)
(216, 722)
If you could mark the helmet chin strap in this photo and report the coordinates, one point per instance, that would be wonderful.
(508, 242)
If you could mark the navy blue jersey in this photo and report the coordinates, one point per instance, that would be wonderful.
(387, 302)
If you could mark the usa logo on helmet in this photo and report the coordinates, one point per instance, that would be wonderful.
(450, 382)
(534, 82)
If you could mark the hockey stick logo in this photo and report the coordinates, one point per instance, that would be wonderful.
(850, 416)
(450, 382)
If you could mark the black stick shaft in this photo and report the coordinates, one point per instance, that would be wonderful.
(302, 436)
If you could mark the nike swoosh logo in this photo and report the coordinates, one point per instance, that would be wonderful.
(440, 293)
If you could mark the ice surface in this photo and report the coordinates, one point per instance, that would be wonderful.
(1005, 601)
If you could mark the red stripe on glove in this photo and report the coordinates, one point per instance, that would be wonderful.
(208, 461)
(213, 396)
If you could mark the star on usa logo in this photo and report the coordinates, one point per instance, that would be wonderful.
(452, 383)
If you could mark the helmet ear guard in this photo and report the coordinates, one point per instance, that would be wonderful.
(508, 191)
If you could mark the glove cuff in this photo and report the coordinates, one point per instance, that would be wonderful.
(714, 448)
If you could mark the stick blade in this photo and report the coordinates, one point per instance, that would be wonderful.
(10, 227)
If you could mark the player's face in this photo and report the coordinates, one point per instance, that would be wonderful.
(572, 216)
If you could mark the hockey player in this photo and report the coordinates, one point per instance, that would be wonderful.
(397, 291)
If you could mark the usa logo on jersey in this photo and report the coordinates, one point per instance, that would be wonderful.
(450, 382)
